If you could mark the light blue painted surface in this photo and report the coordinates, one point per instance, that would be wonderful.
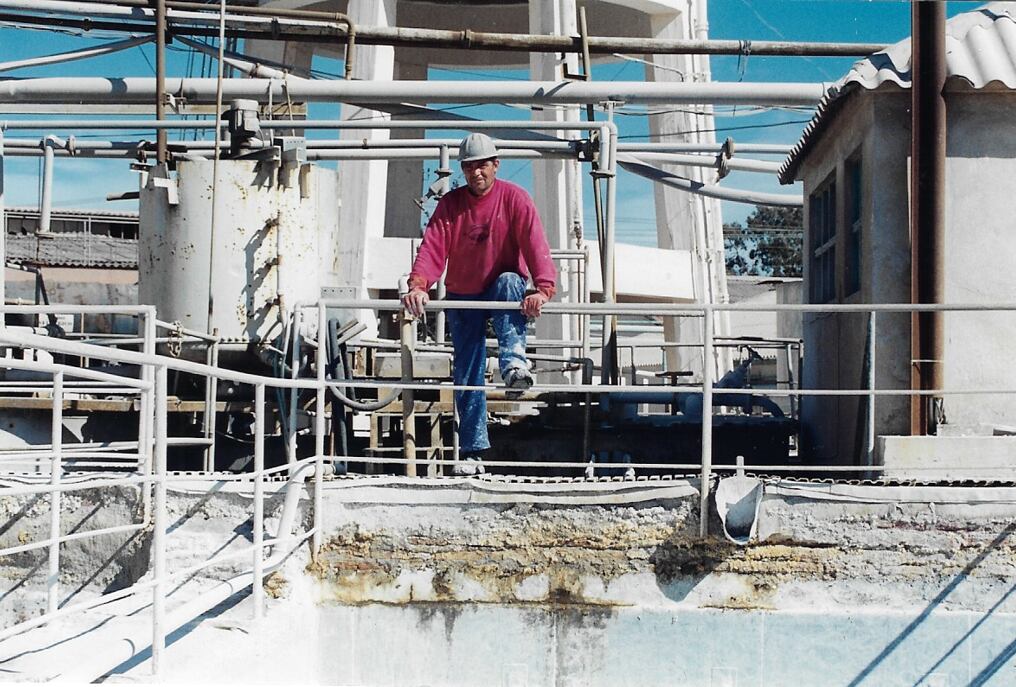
(483, 644)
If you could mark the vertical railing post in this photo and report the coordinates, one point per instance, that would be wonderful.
(211, 401)
(159, 524)
(145, 410)
(870, 443)
(259, 505)
(407, 335)
(56, 468)
(319, 426)
(3, 238)
(707, 420)
(294, 392)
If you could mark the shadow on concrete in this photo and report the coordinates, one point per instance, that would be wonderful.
(931, 607)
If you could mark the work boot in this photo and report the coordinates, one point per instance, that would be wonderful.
(517, 381)
(470, 464)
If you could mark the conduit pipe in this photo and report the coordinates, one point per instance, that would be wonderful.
(927, 218)
(304, 24)
(636, 166)
(46, 201)
(140, 90)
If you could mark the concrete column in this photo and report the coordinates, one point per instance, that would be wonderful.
(685, 221)
(405, 177)
(556, 191)
(363, 184)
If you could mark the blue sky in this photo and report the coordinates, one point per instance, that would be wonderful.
(84, 183)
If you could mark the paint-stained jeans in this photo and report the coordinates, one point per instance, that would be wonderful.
(469, 332)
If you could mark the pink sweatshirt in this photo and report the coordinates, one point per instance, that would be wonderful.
(482, 237)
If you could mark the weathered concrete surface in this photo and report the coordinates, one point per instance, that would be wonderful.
(886, 551)
(199, 526)
(438, 582)
(90, 566)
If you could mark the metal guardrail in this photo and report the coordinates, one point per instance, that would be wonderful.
(153, 479)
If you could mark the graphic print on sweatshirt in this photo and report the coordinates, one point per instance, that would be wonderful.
(478, 232)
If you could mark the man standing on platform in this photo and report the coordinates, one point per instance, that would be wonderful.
(489, 235)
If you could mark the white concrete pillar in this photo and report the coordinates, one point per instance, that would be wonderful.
(557, 192)
(685, 221)
(363, 184)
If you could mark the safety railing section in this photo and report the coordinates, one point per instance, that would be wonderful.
(308, 398)
(151, 475)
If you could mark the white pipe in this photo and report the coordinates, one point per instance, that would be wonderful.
(637, 166)
(3, 237)
(133, 90)
(94, 51)
(46, 202)
(56, 470)
(159, 525)
(259, 503)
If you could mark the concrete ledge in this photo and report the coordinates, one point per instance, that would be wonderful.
(949, 458)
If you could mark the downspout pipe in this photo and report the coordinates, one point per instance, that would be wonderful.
(928, 189)
(46, 201)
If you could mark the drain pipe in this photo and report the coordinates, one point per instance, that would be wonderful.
(46, 201)
(927, 218)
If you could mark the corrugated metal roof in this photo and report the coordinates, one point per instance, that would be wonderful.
(980, 49)
(32, 211)
(73, 250)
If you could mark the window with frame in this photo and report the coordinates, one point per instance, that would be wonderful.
(822, 228)
(852, 174)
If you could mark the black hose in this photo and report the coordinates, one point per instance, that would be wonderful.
(337, 369)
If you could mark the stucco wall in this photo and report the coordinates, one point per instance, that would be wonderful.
(981, 162)
(981, 150)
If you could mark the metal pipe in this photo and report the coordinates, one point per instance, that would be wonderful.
(160, 78)
(56, 471)
(159, 524)
(135, 90)
(74, 55)
(259, 504)
(928, 189)
(408, 396)
(3, 237)
(707, 421)
(637, 166)
(46, 201)
(294, 394)
(319, 431)
(870, 438)
(608, 354)
(466, 39)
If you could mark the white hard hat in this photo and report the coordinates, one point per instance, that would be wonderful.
(476, 147)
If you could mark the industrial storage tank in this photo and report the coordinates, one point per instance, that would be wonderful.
(273, 243)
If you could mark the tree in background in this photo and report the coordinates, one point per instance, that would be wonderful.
(770, 246)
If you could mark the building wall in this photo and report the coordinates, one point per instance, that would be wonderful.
(981, 150)
(834, 343)
(981, 153)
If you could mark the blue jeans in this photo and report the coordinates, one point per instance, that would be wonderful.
(469, 333)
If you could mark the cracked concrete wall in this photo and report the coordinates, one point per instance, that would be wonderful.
(833, 554)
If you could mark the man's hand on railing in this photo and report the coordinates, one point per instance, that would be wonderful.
(415, 302)
(533, 303)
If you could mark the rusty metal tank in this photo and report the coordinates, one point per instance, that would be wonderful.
(274, 243)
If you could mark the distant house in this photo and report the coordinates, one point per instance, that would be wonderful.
(854, 161)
